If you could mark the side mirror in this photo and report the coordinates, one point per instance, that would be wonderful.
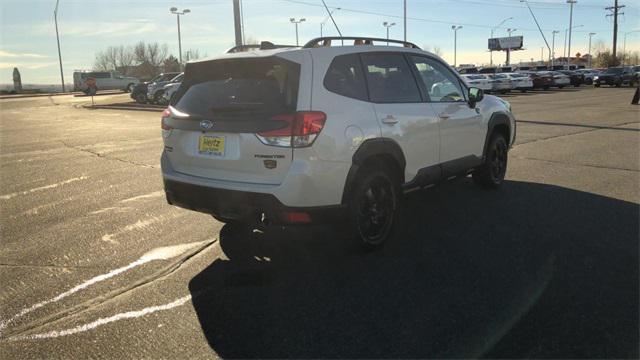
(475, 96)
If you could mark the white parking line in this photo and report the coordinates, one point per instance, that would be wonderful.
(140, 224)
(104, 321)
(146, 196)
(47, 187)
(161, 253)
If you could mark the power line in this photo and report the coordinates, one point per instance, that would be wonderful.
(366, 12)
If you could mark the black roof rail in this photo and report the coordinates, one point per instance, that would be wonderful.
(326, 41)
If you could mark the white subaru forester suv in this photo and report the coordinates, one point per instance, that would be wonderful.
(324, 133)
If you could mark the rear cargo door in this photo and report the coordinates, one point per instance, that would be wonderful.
(218, 111)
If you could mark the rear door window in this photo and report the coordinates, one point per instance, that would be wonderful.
(389, 79)
(345, 77)
(251, 88)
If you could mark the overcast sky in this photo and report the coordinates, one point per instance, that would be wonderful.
(27, 38)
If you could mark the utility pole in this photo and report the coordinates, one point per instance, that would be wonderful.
(237, 22)
(55, 19)
(615, 9)
(542, 54)
(174, 10)
(590, 35)
(553, 47)
(296, 22)
(570, 2)
(388, 25)
(455, 43)
(405, 21)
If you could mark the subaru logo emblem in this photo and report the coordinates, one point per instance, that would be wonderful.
(206, 124)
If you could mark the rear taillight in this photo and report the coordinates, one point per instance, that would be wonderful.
(166, 129)
(300, 129)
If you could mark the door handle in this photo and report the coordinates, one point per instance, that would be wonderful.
(390, 120)
(444, 116)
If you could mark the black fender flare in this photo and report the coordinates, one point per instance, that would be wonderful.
(369, 148)
(497, 118)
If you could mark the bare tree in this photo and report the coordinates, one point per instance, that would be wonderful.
(193, 54)
(142, 60)
(156, 53)
(125, 58)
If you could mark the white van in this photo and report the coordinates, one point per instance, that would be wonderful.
(91, 81)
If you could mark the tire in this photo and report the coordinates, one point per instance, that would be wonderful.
(561, 87)
(129, 88)
(596, 85)
(141, 98)
(491, 173)
(156, 97)
(545, 88)
(374, 207)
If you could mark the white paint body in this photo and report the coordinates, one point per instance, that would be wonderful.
(316, 175)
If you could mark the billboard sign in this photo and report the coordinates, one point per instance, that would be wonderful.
(506, 43)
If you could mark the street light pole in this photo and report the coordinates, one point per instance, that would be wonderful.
(455, 43)
(570, 2)
(590, 35)
(508, 62)
(497, 26)
(174, 10)
(55, 19)
(296, 22)
(327, 18)
(565, 53)
(388, 25)
(553, 47)
(624, 45)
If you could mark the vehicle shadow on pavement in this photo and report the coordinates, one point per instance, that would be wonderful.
(531, 270)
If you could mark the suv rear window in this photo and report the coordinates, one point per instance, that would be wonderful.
(390, 79)
(344, 77)
(238, 88)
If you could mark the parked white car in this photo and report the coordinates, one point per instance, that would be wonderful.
(522, 82)
(500, 83)
(322, 133)
(168, 91)
(560, 80)
(480, 81)
(91, 81)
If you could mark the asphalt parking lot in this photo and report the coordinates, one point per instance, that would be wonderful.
(94, 263)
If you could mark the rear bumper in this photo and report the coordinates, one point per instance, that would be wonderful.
(246, 206)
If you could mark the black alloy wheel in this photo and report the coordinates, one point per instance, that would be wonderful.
(498, 160)
(374, 208)
(492, 172)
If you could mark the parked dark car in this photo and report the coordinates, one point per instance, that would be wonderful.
(575, 77)
(139, 92)
(616, 76)
(540, 80)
